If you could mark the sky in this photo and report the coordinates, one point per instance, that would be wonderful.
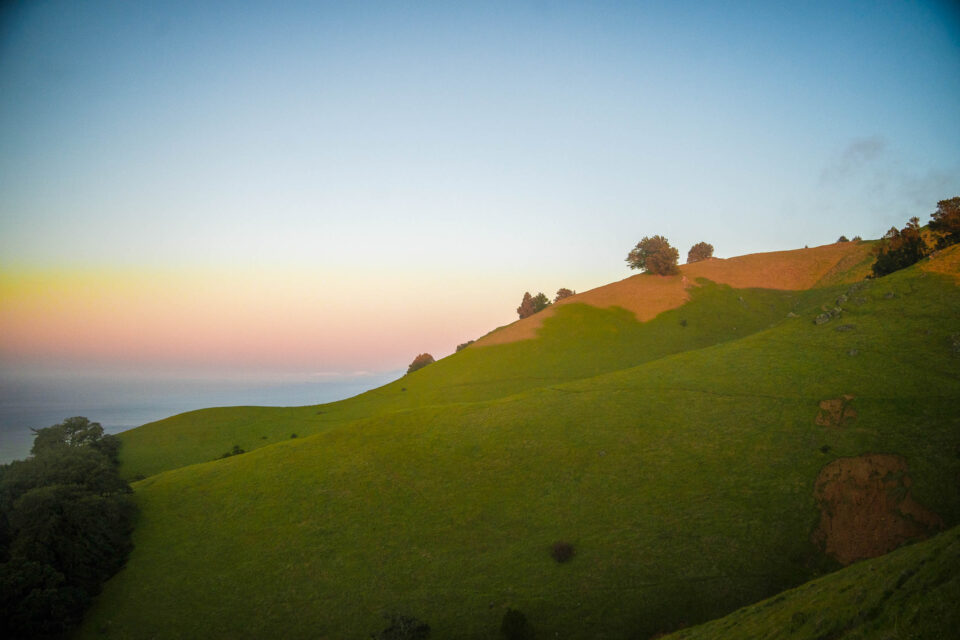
(331, 188)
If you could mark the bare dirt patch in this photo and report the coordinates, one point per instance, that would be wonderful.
(789, 270)
(836, 412)
(866, 508)
(647, 296)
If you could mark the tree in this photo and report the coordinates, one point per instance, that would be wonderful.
(563, 293)
(420, 362)
(654, 255)
(945, 222)
(72, 432)
(532, 304)
(899, 249)
(843, 239)
(65, 524)
(699, 251)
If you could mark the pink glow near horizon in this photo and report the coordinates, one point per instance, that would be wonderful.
(284, 320)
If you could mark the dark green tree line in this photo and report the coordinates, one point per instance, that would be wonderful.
(65, 524)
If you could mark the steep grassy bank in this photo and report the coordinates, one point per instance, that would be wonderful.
(911, 593)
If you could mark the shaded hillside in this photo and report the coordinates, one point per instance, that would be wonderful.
(910, 593)
(685, 479)
(588, 334)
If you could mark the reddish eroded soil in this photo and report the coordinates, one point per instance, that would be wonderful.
(866, 509)
(836, 412)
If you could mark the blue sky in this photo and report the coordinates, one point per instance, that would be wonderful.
(500, 147)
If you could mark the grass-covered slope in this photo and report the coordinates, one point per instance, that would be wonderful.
(911, 593)
(680, 461)
(578, 341)
(592, 333)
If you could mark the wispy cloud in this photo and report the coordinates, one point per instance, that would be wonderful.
(859, 154)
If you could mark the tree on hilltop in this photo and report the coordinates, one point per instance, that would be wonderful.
(532, 304)
(563, 293)
(654, 255)
(420, 362)
(945, 222)
(900, 248)
(700, 251)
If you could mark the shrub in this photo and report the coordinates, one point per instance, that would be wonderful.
(699, 251)
(461, 347)
(233, 452)
(514, 626)
(420, 362)
(561, 551)
(654, 255)
(843, 239)
(857, 239)
(532, 304)
(563, 293)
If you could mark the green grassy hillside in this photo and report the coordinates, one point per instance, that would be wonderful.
(678, 456)
(578, 341)
(575, 341)
(911, 593)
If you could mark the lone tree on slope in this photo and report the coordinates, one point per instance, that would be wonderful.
(420, 362)
(654, 255)
(532, 304)
(563, 293)
(700, 251)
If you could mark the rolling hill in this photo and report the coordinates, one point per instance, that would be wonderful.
(695, 438)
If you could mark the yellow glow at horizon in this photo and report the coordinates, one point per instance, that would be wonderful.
(236, 317)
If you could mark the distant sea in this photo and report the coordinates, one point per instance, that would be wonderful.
(123, 402)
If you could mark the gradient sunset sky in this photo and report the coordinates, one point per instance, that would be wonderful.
(324, 188)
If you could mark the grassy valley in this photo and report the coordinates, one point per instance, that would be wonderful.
(677, 455)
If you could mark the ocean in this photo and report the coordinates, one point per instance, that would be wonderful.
(123, 402)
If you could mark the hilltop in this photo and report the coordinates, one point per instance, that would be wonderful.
(695, 456)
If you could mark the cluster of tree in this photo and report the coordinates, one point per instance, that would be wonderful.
(900, 248)
(534, 304)
(65, 524)
(420, 362)
(655, 255)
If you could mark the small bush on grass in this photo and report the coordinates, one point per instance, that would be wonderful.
(420, 362)
(561, 551)
(515, 626)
